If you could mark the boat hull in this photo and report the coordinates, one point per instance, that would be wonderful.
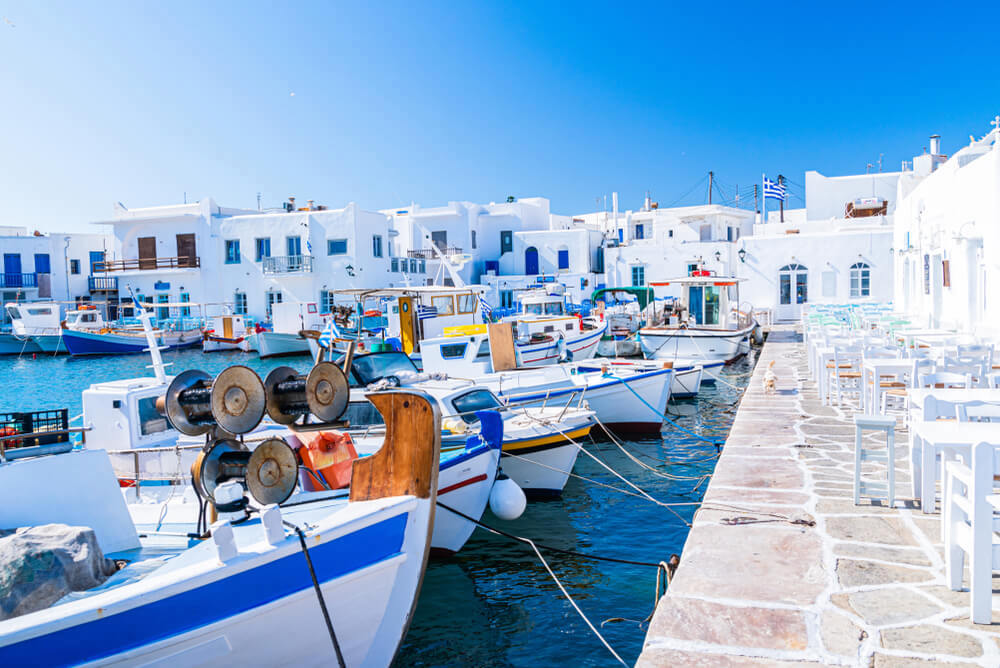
(580, 348)
(11, 345)
(692, 343)
(93, 343)
(276, 344)
(51, 344)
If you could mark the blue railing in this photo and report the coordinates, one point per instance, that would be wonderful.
(18, 280)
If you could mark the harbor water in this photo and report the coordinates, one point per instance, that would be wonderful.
(494, 603)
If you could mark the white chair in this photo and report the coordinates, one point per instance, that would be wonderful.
(845, 375)
(970, 506)
(862, 454)
(944, 379)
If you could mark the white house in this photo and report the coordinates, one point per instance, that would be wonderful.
(947, 237)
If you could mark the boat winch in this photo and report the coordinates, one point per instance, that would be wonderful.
(235, 401)
(269, 472)
(323, 393)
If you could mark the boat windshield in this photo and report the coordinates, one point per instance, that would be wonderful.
(554, 308)
(367, 369)
(467, 404)
(13, 313)
(533, 309)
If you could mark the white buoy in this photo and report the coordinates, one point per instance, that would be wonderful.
(507, 499)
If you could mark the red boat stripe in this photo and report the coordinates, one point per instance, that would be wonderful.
(464, 483)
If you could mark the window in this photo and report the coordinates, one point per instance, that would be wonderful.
(692, 267)
(423, 266)
(639, 230)
(440, 238)
(705, 233)
(74, 266)
(466, 303)
(829, 283)
(452, 351)
(232, 251)
(476, 400)
(240, 303)
(473, 238)
(262, 249)
(621, 235)
(506, 299)
(326, 301)
(404, 265)
(273, 297)
(506, 241)
(42, 265)
(413, 266)
(162, 312)
(444, 304)
(563, 256)
(729, 234)
(860, 280)
(377, 245)
(336, 246)
(394, 264)
(185, 298)
(638, 275)
(670, 233)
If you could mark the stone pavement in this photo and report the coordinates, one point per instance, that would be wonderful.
(782, 569)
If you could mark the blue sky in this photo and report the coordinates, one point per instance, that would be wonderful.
(140, 102)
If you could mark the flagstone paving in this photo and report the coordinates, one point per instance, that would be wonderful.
(782, 569)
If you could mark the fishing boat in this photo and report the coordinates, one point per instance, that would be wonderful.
(539, 443)
(85, 332)
(307, 579)
(685, 383)
(701, 325)
(37, 322)
(225, 332)
(545, 332)
(12, 344)
(623, 309)
(289, 321)
(626, 399)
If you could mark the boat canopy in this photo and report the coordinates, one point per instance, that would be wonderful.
(699, 280)
(359, 294)
(643, 295)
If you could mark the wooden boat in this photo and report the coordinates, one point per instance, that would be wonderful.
(245, 594)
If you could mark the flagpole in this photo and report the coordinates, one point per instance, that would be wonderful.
(763, 201)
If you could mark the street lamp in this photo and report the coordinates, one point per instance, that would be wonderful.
(718, 256)
(743, 254)
(350, 270)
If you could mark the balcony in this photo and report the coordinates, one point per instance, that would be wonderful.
(148, 263)
(287, 264)
(429, 254)
(18, 280)
(102, 284)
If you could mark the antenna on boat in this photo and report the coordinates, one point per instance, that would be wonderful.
(158, 367)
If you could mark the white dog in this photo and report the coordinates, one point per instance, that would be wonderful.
(770, 380)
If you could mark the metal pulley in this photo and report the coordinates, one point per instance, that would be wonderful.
(234, 400)
(269, 472)
(324, 393)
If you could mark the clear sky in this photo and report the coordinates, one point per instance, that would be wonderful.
(384, 103)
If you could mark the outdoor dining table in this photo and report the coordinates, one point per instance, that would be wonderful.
(908, 336)
(872, 371)
(930, 437)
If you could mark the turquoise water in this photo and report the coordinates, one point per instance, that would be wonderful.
(493, 603)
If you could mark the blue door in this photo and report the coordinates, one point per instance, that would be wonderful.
(12, 270)
(696, 304)
(531, 261)
(95, 257)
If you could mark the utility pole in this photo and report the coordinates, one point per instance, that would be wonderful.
(711, 180)
(258, 201)
(781, 202)
(756, 206)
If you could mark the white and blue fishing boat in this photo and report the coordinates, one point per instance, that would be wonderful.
(95, 337)
(308, 579)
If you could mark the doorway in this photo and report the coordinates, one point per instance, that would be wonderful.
(793, 291)
(531, 261)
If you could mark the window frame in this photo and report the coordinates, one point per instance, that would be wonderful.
(261, 248)
(230, 257)
(377, 249)
(860, 274)
(74, 267)
(239, 303)
(330, 250)
(451, 304)
(641, 269)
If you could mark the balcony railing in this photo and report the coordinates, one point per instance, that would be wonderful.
(148, 263)
(287, 264)
(429, 254)
(18, 280)
(102, 284)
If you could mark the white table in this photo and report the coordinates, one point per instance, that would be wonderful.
(947, 399)
(947, 438)
(908, 336)
(872, 370)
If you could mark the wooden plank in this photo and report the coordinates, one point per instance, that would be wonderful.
(502, 346)
(407, 463)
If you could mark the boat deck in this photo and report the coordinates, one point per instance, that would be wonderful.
(782, 569)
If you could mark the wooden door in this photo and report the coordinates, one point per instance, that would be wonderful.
(186, 251)
(147, 252)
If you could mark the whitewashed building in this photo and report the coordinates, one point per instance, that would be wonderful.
(50, 266)
(947, 237)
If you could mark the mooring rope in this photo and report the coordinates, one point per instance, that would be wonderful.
(664, 417)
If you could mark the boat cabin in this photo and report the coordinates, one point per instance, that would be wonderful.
(293, 317)
(544, 316)
(703, 301)
(29, 318)
(422, 312)
(85, 318)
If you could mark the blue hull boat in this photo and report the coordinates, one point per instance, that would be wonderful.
(118, 343)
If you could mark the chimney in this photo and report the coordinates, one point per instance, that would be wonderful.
(291, 203)
(310, 203)
(646, 205)
(935, 144)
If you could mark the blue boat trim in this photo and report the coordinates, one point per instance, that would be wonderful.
(572, 390)
(211, 603)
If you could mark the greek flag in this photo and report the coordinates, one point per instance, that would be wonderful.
(774, 190)
(424, 312)
(137, 305)
(485, 309)
(329, 333)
